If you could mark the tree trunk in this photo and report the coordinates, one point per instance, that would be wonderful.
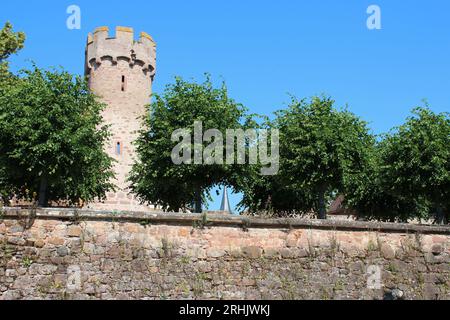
(43, 192)
(322, 206)
(440, 216)
(198, 201)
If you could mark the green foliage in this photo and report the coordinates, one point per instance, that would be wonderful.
(410, 175)
(154, 177)
(10, 43)
(27, 262)
(51, 139)
(321, 149)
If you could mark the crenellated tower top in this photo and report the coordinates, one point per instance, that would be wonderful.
(100, 47)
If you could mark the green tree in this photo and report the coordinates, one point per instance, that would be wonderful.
(416, 162)
(321, 150)
(270, 195)
(51, 139)
(154, 177)
(372, 197)
(409, 175)
(10, 43)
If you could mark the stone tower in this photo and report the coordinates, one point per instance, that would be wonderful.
(121, 71)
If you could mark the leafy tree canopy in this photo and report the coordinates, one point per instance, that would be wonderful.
(51, 139)
(411, 178)
(321, 149)
(155, 178)
(10, 43)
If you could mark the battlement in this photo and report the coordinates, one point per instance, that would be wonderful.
(101, 47)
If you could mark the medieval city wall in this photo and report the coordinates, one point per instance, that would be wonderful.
(67, 254)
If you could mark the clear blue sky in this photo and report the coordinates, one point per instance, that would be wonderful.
(267, 49)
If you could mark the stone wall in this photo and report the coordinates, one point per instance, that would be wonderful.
(65, 254)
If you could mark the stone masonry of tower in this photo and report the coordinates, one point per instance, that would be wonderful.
(121, 72)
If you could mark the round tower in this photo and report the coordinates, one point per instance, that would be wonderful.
(121, 71)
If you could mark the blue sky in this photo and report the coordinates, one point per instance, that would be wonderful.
(267, 49)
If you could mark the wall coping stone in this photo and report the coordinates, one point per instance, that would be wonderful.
(149, 218)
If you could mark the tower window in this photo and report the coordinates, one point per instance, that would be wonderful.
(124, 84)
(118, 148)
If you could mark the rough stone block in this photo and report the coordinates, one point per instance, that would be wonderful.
(387, 251)
(252, 252)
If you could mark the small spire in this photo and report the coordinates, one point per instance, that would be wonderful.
(225, 207)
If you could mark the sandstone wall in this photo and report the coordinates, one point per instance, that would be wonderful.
(64, 254)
